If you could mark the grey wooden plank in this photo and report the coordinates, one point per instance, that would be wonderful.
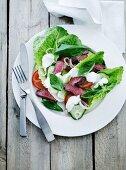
(70, 153)
(106, 148)
(121, 126)
(3, 67)
(27, 17)
(110, 143)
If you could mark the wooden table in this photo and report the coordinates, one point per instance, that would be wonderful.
(103, 150)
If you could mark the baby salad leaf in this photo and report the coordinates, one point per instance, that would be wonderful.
(42, 44)
(51, 105)
(85, 67)
(70, 50)
(70, 39)
(56, 82)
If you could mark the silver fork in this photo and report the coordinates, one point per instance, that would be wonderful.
(24, 84)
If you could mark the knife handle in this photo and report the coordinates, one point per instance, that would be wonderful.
(42, 122)
(23, 114)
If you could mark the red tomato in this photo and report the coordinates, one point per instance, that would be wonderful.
(36, 81)
(68, 95)
(86, 85)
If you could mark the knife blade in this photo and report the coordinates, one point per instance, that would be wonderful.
(26, 87)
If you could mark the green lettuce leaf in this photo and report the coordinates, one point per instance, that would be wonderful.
(114, 76)
(97, 57)
(49, 42)
(95, 96)
(41, 73)
(96, 100)
(69, 40)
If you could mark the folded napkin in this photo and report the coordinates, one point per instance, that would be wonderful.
(104, 16)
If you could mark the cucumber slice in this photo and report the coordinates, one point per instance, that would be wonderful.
(77, 112)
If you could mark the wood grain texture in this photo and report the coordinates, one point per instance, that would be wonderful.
(27, 17)
(3, 68)
(106, 147)
(70, 153)
(110, 143)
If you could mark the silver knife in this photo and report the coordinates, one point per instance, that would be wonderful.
(26, 87)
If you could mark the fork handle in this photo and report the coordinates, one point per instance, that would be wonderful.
(23, 114)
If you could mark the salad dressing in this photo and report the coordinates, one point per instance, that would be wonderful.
(93, 77)
(47, 60)
(72, 101)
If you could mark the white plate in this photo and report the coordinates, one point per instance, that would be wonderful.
(105, 112)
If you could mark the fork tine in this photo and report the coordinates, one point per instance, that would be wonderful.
(13, 69)
(20, 72)
(23, 72)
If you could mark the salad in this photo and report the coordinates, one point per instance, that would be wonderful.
(69, 72)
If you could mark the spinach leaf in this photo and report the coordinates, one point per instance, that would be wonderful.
(70, 50)
(87, 64)
(91, 93)
(51, 105)
(56, 82)
(85, 67)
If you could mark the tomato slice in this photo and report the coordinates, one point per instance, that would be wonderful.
(86, 85)
(36, 81)
(68, 95)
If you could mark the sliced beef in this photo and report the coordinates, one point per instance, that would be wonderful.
(44, 93)
(75, 80)
(83, 56)
(99, 67)
(86, 85)
(75, 90)
(58, 67)
(75, 60)
(83, 79)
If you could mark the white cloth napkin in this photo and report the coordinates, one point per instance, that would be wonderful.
(104, 16)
